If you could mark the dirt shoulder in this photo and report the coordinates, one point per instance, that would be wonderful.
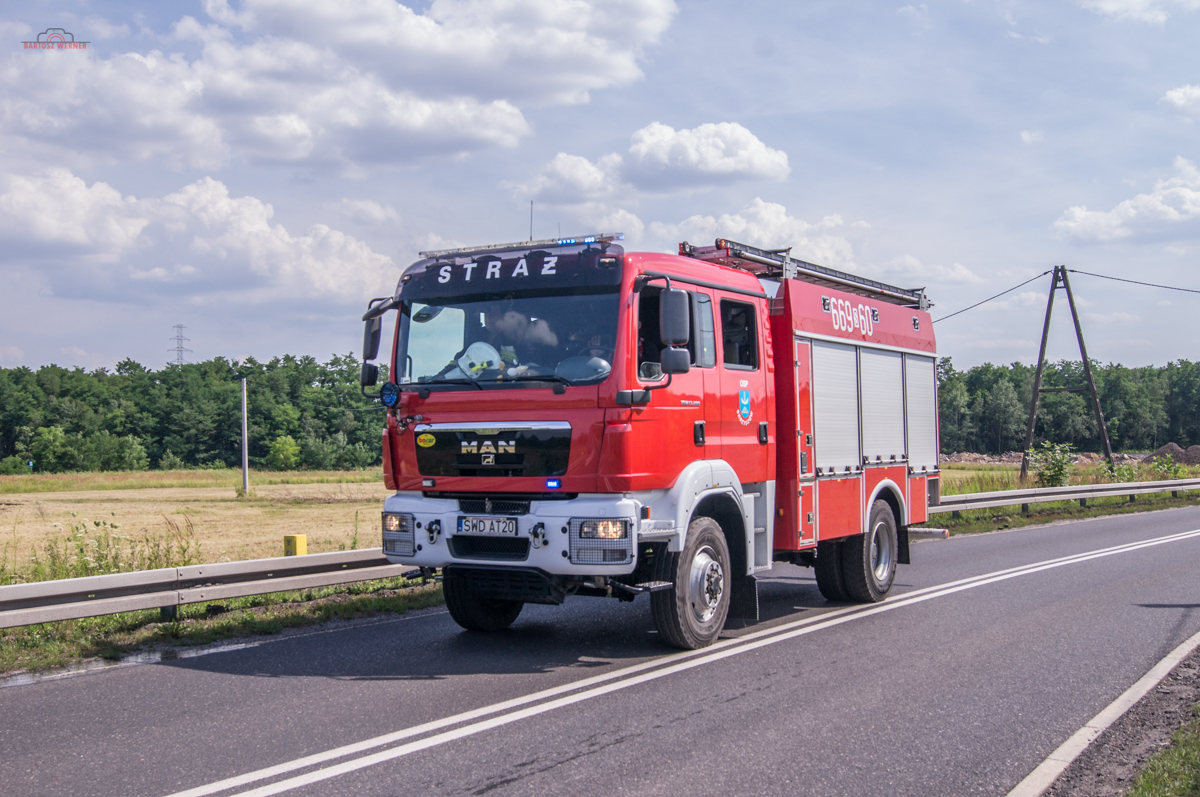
(1112, 762)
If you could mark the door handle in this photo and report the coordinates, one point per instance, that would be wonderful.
(698, 433)
(762, 433)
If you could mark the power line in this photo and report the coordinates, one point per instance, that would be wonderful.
(1134, 282)
(997, 296)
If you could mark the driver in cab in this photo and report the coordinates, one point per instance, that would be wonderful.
(508, 335)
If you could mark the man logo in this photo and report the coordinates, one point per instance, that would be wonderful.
(489, 459)
(489, 447)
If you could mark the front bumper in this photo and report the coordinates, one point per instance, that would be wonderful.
(548, 536)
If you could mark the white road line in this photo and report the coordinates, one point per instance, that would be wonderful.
(1043, 777)
(599, 685)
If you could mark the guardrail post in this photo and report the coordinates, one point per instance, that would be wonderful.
(1174, 493)
(1132, 498)
(1083, 502)
(956, 515)
(168, 614)
(1024, 509)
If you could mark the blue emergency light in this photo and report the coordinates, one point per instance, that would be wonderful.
(553, 484)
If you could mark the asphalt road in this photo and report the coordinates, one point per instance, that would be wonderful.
(941, 690)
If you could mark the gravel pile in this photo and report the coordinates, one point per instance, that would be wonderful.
(1190, 456)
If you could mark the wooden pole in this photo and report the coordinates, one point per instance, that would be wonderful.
(1087, 372)
(245, 446)
(1037, 379)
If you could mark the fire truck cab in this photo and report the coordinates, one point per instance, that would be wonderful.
(567, 418)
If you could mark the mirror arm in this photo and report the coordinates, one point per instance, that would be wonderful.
(376, 310)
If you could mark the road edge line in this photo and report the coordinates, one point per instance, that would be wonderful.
(1037, 782)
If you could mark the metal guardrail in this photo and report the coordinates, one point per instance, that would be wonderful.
(72, 598)
(1040, 495)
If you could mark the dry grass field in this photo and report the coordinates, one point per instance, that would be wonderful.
(336, 510)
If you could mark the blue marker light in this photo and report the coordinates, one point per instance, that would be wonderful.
(553, 484)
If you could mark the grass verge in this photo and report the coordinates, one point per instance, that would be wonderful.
(976, 521)
(138, 480)
(48, 645)
(1173, 771)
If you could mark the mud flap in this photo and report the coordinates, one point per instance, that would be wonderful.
(902, 540)
(743, 602)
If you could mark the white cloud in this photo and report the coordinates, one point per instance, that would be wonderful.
(1173, 200)
(367, 211)
(343, 83)
(1185, 99)
(196, 242)
(11, 354)
(910, 270)
(1139, 10)
(1032, 136)
(660, 156)
(768, 225)
(1113, 318)
(660, 159)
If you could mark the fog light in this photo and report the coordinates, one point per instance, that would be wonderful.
(603, 530)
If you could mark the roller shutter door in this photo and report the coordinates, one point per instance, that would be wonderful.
(920, 381)
(835, 403)
(882, 404)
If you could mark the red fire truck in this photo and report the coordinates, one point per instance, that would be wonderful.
(567, 418)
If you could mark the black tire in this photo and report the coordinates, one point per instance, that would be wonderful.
(829, 571)
(476, 612)
(869, 560)
(692, 615)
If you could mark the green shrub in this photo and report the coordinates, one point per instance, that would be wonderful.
(1052, 461)
(170, 462)
(1167, 468)
(1125, 472)
(284, 453)
(13, 466)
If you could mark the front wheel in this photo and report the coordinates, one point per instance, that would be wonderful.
(692, 615)
(869, 560)
(476, 612)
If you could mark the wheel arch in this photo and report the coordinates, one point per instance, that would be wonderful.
(726, 509)
(888, 491)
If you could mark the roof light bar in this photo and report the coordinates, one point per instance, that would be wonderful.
(519, 245)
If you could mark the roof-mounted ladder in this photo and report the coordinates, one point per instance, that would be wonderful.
(779, 264)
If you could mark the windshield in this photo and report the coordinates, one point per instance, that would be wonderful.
(509, 339)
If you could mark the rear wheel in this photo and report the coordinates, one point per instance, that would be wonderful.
(829, 571)
(476, 612)
(869, 560)
(692, 615)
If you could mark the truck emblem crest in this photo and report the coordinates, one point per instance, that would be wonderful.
(744, 411)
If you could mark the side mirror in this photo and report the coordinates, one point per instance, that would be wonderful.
(371, 333)
(370, 372)
(673, 319)
(675, 361)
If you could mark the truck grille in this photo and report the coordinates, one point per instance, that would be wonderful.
(492, 506)
(512, 583)
(470, 547)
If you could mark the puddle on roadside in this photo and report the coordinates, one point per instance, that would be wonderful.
(129, 659)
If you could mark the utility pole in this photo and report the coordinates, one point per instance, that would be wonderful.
(1057, 281)
(245, 447)
(179, 340)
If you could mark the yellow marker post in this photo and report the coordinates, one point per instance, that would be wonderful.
(295, 544)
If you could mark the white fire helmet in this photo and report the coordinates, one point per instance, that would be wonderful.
(478, 358)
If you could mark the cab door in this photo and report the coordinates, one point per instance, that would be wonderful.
(741, 371)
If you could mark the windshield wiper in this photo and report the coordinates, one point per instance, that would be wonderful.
(437, 381)
(542, 378)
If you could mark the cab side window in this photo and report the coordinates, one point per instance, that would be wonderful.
(703, 344)
(739, 336)
(649, 345)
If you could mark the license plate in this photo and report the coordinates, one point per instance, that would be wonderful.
(499, 526)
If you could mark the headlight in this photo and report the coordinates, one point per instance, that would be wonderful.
(398, 523)
(603, 530)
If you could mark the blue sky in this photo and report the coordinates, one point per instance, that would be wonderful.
(257, 170)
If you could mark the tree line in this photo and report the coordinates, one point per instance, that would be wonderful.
(300, 414)
(984, 409)
(308, 414)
